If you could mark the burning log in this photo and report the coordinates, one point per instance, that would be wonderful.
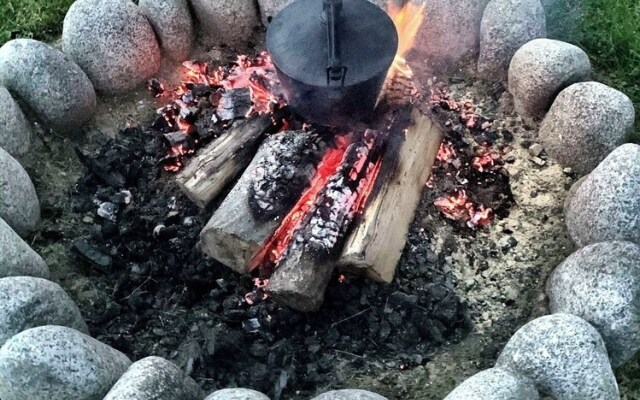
(218, 163)
(376, 241)
(234, 235)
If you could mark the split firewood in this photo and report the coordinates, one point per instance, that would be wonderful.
(375, 243)
(236, 232)
(222, 160)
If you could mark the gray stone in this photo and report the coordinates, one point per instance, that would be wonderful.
(55, 362)
(154, 378)
(49, 82)
(171, 20)
(572, 191)
(450, 34)
(600, 283)
(269, 8)
(506, 26)
(539, 70)
(227, 21)
(495, 384)
(586, 122)
(113, 42)
(19, 205)
(349, 394)
(236, 394)
(606, 206)
(564, 356)
(15, 130)
(17, 258)
(27, 302)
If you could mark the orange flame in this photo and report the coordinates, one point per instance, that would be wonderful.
(407, 20)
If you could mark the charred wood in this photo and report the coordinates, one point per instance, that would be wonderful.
(284, 170)
(219, 163)
(377, 239)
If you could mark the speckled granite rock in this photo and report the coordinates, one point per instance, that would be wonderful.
(564, 356)
(606, 206)
(494, 384)
(19, 205)
(572, 191)
(172, 22)
(226, 21)
(450, 33)
(539, 70)
(113, 42)
(49, 82)
(55, 362)
(155, 378)
(600, 283)
(27, 302)
(269, 8)
(17, 258)
(506, 26)
(349, 394)
(236, 394)
(15, 130)
(586, 122)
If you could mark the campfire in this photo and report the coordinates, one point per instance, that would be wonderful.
(311, 197)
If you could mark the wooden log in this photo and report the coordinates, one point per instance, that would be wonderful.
(378, 237)
(222, 160)
(234, 235)
(300, 280)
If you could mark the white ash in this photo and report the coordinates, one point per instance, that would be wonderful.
(284, 171)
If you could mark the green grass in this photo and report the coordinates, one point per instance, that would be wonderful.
(38, 19)
(609, 30)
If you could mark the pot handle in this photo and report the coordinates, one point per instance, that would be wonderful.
(335, 71)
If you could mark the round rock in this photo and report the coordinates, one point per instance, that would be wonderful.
(564, 356)
(349, 394)
(15, 131)
(49, 82)
(586, 122)
(17, 258)
(226, 21)
(19, 205)
(539, 70)
(171, 20)
(450, 33)
(606, 206)
(55, 362)
(113, 42)
(506, 26)
(27, 302)
(600, 283)
(494, 384)
(236, 394)
(155, 378)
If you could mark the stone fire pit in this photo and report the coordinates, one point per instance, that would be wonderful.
(518, 279)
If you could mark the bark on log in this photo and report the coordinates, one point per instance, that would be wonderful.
(378, 237)
(222, 160)
(234, 235)
(300, 280)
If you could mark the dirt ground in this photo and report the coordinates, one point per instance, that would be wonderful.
(503, 285)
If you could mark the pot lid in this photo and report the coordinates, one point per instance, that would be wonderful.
(364, 36)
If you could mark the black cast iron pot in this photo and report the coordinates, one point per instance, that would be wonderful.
(332, 57)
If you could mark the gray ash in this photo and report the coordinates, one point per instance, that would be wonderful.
(284, 172)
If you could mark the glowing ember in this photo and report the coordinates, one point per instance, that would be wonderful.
(446, 153)
(458, 207)
(205, 88)
(486, 159)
